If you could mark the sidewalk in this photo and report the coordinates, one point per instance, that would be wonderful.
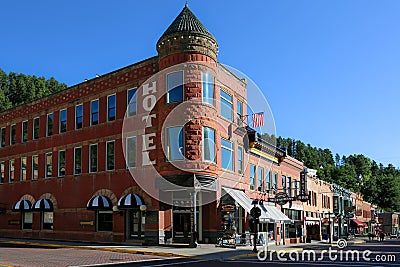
(203, 251)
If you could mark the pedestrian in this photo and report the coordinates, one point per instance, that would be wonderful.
(382, 235)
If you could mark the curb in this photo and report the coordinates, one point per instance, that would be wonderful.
(130, 251)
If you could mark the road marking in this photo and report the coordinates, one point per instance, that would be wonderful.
(114, 263)
(175, 263)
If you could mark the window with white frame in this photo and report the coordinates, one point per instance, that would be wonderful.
(93, 158)
(226, 105)
(63, 121)
(94, 112)
(79, 116)
(207, 87)
(24, 131)
(77, 160)
(35, 167)
(49, 124)
(289, 186)
(275, 183)
(23, 169)
(227, 154)
(131, 146)
(2, 172)
(283, 183)
(13, 134)
(268, 180)
(240, 159)
(36, 125)
(61, 163)
(252, 176)
(260, 178)
(11, 166)
(209, 144)
(49, 165)
(104, 220)
(175, 87)
(111, 108)
(132, 102)
(110, 155)
(239, 112)
(174, 142)
(3, 137)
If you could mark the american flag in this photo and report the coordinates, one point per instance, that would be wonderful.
(258, 119)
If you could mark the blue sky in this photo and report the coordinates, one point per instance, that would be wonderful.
(330, 69)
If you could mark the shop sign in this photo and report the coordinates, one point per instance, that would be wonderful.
(86, 222)
(303, 183)
(303, 197)
(228, 207)
(283, 198)
(14, 222)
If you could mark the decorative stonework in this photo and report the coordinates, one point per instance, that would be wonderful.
(28, 197)
(108, 193)
(51, 197)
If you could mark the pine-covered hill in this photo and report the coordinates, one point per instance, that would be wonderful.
(379, 184)
(17, 88)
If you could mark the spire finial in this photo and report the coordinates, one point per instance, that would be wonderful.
(186, 5)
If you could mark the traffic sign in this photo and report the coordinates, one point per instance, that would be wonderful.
(255, 212)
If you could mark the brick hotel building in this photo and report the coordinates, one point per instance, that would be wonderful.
(64, 174)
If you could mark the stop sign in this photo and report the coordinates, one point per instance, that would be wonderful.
(255, 212)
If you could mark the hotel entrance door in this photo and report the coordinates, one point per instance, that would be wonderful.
(181, 225)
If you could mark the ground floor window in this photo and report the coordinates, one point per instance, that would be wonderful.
(27, 220)
(47, 220)
(104, 221)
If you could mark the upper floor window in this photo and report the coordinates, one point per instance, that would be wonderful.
(132, 102)
(240, 159)
(77, 160)
(295, 188)
(35, 167)
(94, 112)
(239, 114)
(275, 182)
(207, 88)
(2, 172)
(93, 158)
(63, 121)
(268, 181)
(24, 131)
(11, 171)
(226, 105)
(111, 107)
(49, 124)
(289, 186)
(36, 126)
(209, 144)
(174, 142)
(260, 178)
(110, 155)
(61, 163)
(283, 183)
(252, 176)
(175, 87)
(23, 169)
(3, 137)
(227, 154)
(49, 165)
(78, 116)
(13, 134)
(131, 151)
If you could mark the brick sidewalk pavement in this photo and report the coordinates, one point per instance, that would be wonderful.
(43, 257)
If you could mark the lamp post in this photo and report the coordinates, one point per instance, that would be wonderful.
(329, 227)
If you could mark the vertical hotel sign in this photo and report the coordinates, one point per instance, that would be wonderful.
(148, 103)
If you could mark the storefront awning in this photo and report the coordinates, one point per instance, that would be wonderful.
(268, 213)
(99, 203)
(43, 205)
(240, 197)
(273, 214)
(130, 201)
(22, 205)
(359, 223)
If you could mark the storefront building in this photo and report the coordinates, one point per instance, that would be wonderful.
(97, 161)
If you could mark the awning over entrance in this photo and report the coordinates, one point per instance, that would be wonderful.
(240, 197)
(22, 205)
(99, 203)
(130, 201)
(43, 205)
(268, 213)
(273, 214)
(359, 223)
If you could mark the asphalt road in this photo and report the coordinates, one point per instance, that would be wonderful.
(373, 253)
